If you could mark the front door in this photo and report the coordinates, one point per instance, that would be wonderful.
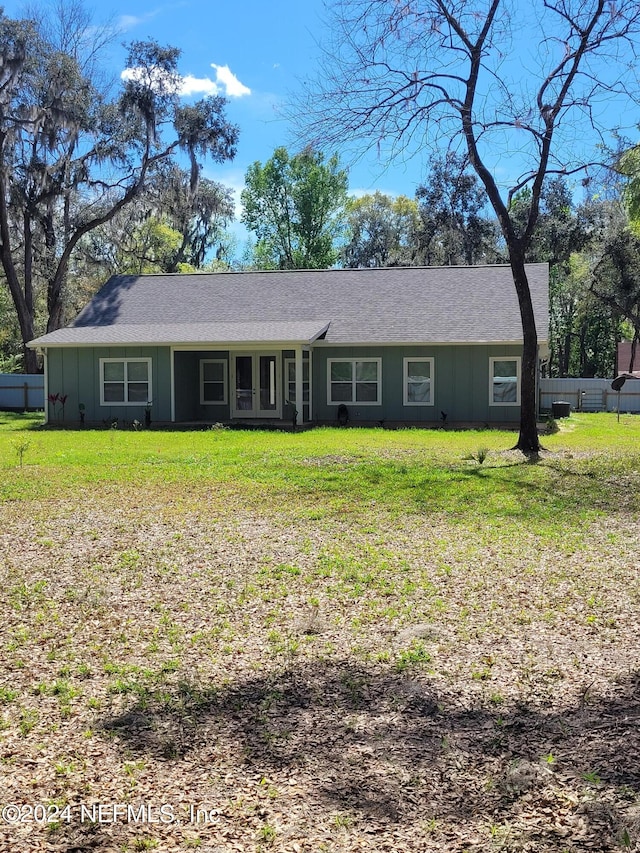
(255, 385)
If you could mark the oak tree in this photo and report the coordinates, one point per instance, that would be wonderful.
(455, 228)
(382, 231)
(616, 281)
(73, 154)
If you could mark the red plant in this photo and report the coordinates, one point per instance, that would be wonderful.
(58, 398)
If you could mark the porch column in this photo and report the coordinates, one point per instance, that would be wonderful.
(310, 385)
(172, 379)
(45, 359)
(299, 384)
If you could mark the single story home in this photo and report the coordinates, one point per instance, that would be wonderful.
(401, 345)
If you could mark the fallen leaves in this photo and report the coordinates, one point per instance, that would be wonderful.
(310, 686)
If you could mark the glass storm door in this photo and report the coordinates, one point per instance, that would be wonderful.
(256, 393)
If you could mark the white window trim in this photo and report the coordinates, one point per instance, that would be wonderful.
(518, 361)
(353, 401)
(125, 360)
(405, 380)
(307, 381)
(225, 380)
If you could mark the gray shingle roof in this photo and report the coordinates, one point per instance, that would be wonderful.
(386, 306)
(116, 334)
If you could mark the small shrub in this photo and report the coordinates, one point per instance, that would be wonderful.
(21, 445)
(479, 456)
(415, 655)
(267, 833)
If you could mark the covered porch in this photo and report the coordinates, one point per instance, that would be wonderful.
(247, 378)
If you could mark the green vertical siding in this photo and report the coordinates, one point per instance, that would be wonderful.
(75, 371)
(460, 383)
(187, 382)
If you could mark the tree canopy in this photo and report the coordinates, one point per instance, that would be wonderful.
(616, 279)
(295, 205)
(455, 228)
(382, 231)
(72, 155)
(167, 228)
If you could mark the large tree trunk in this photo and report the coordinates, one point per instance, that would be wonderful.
(528, 440)
(24, 312)
(31, 364)
(634, 345)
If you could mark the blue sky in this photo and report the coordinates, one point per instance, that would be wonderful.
(254, 53)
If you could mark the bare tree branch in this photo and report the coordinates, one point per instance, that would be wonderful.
(407, 76)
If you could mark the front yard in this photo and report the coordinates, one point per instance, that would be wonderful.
(337, 640)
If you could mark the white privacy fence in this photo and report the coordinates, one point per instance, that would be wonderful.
(589, 395)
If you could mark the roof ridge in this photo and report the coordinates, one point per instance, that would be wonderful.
(341, 270)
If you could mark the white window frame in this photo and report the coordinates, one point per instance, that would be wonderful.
(306, 383)
(353, 362)
(405, 380)
(518, 361)
(126, 361)
(225, 382)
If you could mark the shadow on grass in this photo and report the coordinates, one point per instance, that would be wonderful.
(388, 746)
(515, 489)
(21, 421)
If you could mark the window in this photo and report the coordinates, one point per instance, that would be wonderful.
(504, 381)
(418, 382)
(125, 381)
(290, 378)
(213, 381)
(354, 380)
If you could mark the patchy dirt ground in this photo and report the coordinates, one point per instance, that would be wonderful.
(181, 673)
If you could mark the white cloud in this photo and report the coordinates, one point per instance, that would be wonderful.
(232, 86)
(128, 22)
(155, 77)
(198, 86)
(226, 83)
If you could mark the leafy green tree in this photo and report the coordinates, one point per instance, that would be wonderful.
(11, 358)
(583, 332)
(295, 206)
(628, 169)
(616, 280)
(561, 228)
(454, 226)
(381, 230)
(72, 155)
(167, 229)
(448, 73)
(146, 246)
(200, 215)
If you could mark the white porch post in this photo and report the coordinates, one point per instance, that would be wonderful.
(299, 385)
(172, 358)
(45, 361)
(310, 384)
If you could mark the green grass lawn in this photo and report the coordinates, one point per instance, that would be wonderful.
(329, 640)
